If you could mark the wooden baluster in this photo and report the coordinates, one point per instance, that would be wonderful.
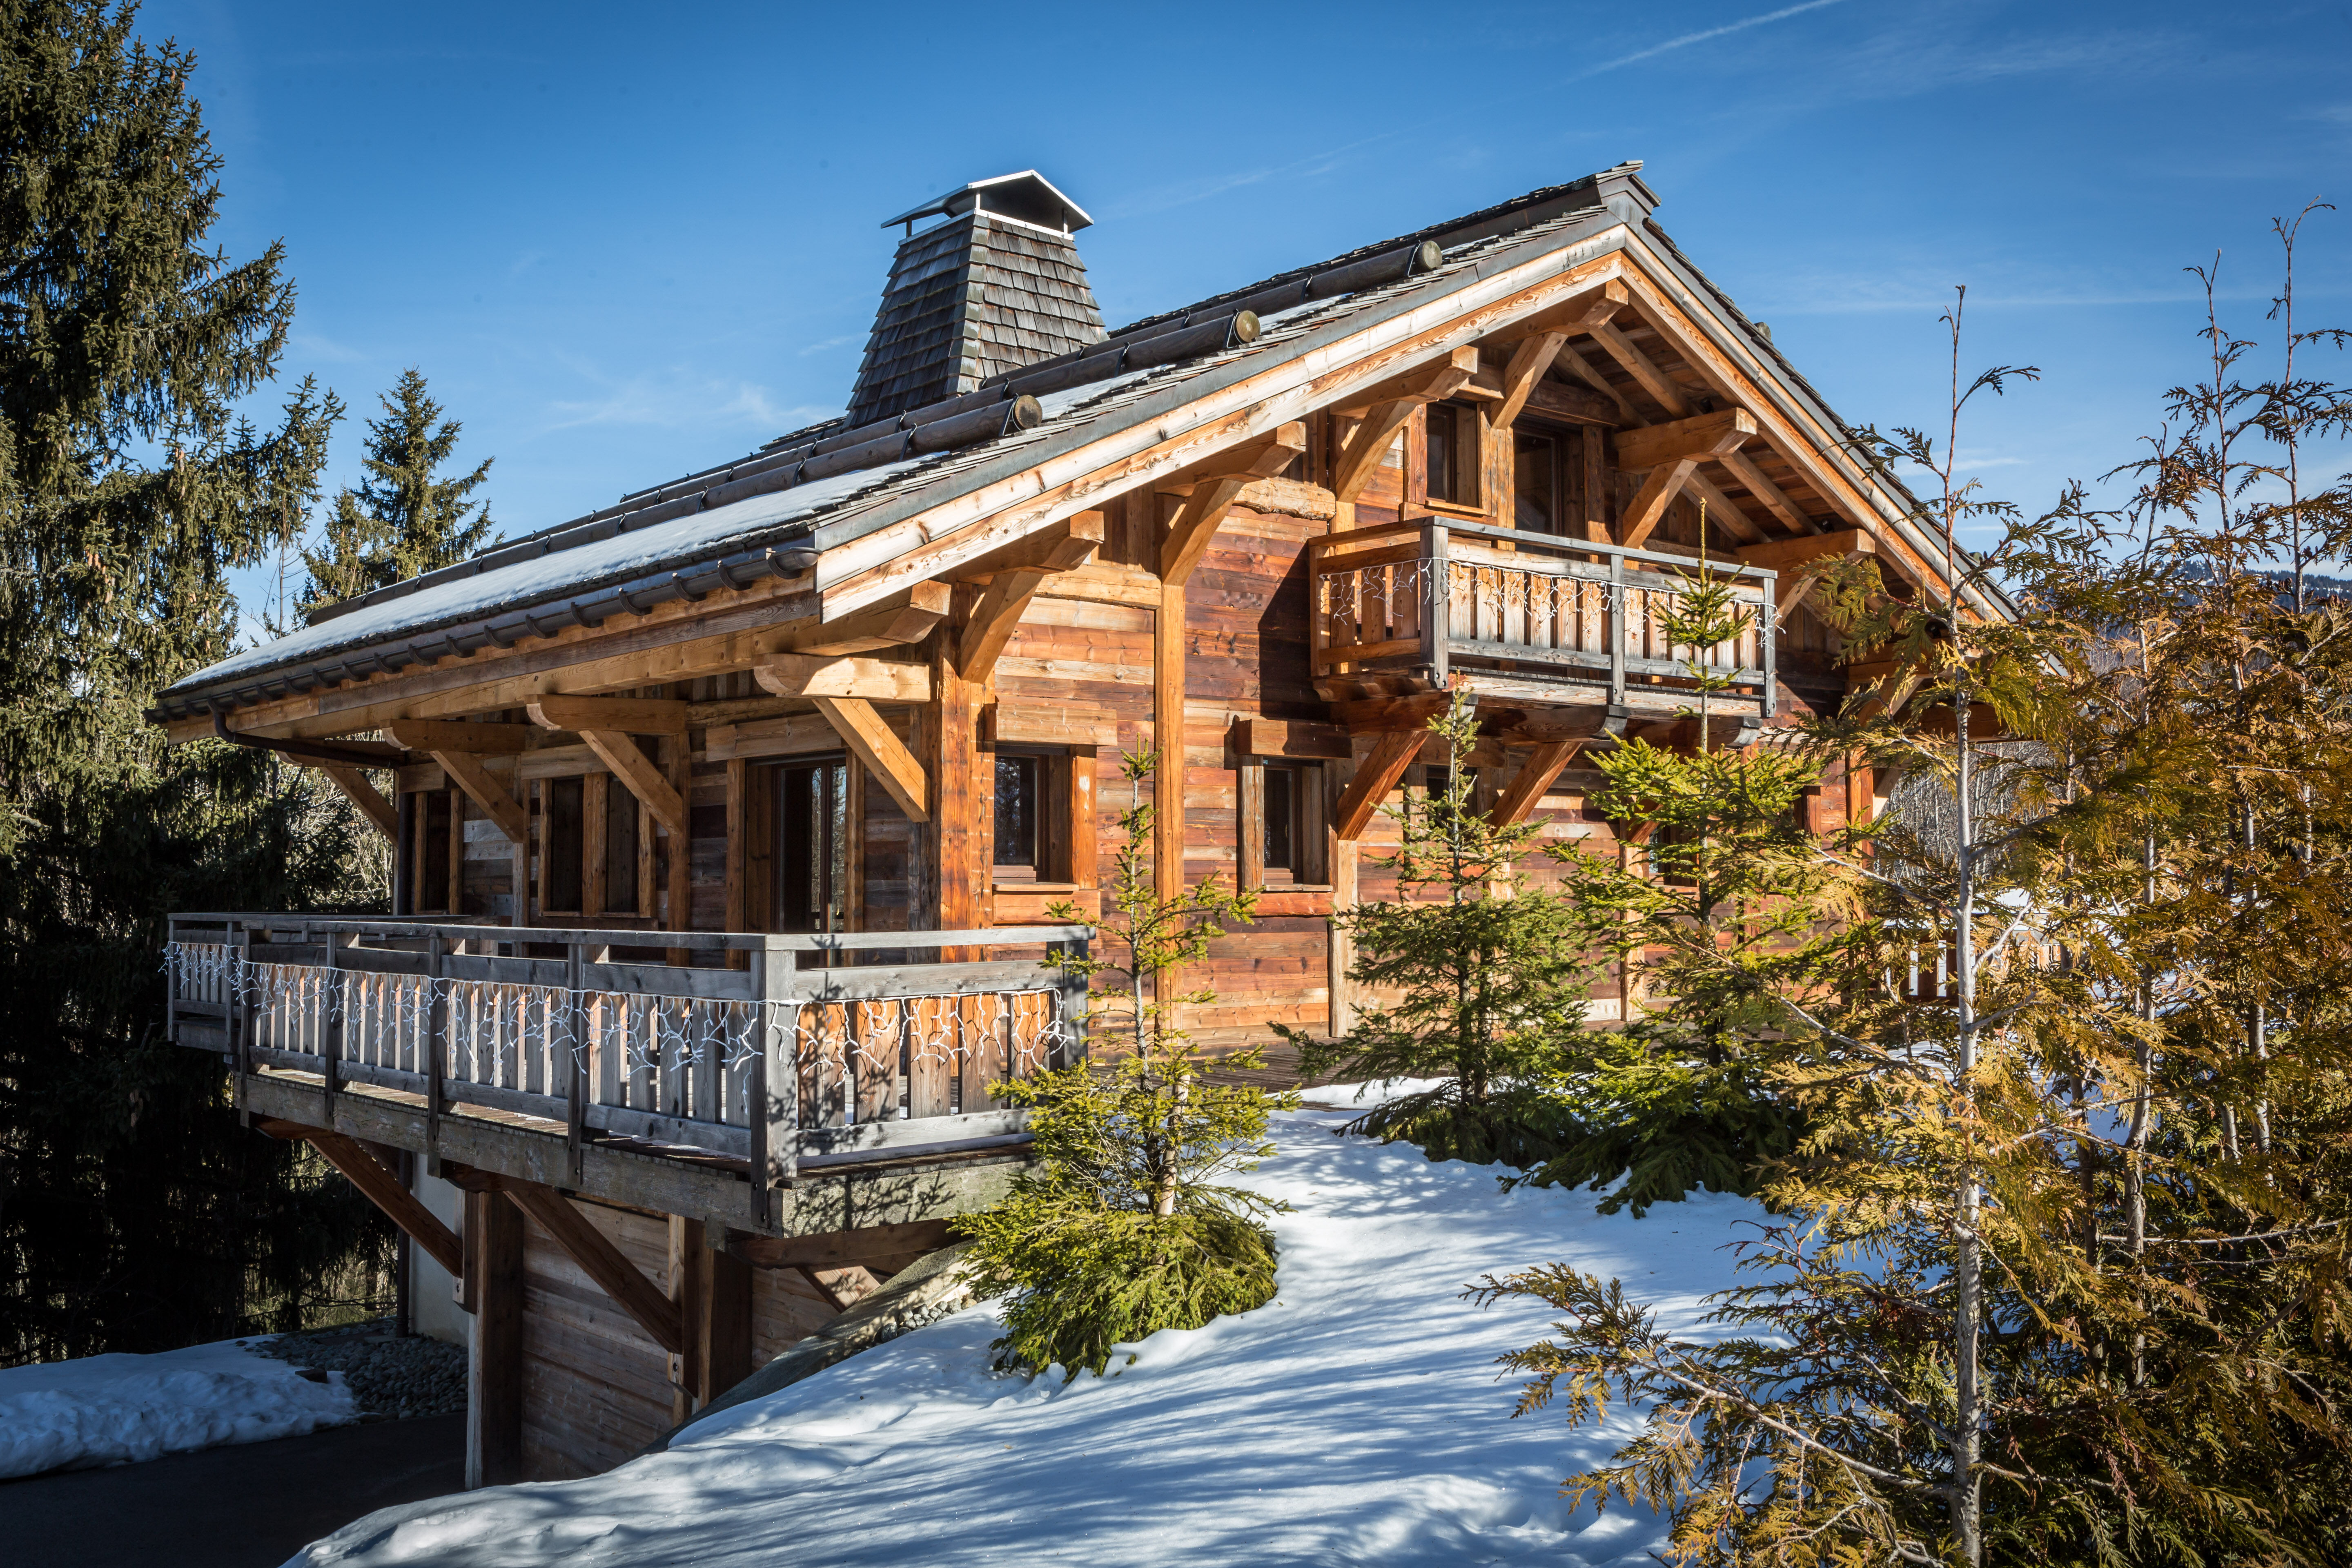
(776, 1083)
(331, 1041)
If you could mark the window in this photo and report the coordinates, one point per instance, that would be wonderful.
(1454, 454)
(432, 844)
(812, 806)
(563, 845)
(1535, 482)
(1282, 823)
(1018, 799)
(621, 827)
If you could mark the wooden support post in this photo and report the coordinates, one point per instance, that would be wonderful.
(1168, 740)
(713, 1292)
(436, 1048)
(775, 1086)
(1339, 952)
(951, 733)
(681, 847)
(494, 1365)
(466, 1289)
(602, 1261)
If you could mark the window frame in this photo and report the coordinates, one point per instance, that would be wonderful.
(1309, 872)
(603, 798)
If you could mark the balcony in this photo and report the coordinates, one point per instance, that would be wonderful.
(764, 1083)
(1429, 604)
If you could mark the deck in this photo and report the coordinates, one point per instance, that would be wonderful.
(777, 1085)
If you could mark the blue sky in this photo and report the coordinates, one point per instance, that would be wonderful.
(626, 242)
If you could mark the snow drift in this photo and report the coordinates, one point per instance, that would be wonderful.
(1357, 1418)
(118, 1409)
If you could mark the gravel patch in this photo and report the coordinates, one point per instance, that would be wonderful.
(388, 1377)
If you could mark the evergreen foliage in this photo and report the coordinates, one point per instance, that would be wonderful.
(1123, 1228)
(134, 1213)
(402, 521)
(1490, 980)
(2057, 1271)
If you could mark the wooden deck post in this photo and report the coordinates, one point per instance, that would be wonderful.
(494, 1367)
(713, 1291)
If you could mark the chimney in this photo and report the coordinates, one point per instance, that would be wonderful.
(997, 286)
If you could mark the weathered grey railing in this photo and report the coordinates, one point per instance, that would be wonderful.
(789, 1061)
(1432, 597)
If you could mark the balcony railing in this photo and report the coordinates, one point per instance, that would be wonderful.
(778, 1051)
(1422, 600)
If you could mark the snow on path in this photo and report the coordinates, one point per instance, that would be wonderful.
(120, 1409)
(1356, 1419)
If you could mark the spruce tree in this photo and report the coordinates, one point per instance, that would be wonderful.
(1488, 975)
(137, 1214)
(401, 521)
(1123, 1227)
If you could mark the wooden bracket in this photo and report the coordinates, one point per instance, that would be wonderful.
(885, 755)
(844, 1287)
(618, 751)
(602, 1261)
(1529, 363)
(1214, 494)
(1375, 776)
(623, 715)
(1535, 776)
(1277, 737)
(1006, 598)
(835, 1248)
(1673, 453)
(363, 794)
(1654, 380)
(466, 771)
(870, 679)
(1570, 359)
(1360, 449)
(368, 1173)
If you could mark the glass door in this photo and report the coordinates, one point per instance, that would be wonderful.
(811, 805)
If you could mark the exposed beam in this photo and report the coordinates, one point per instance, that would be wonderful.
(1528, 365)
(833, 1248)
(617, 750)
(1673, 453)
(1197, 518)
(1261, 459)
(362, 793)
(879, 747)
(466, 771)
(626, 715)
(906, 617)
(1757, 483)
(1419, 384)
(1557, 399)
(381, 1187)
(1279, 737)
(1360, 449)
(1780, 554)
(1533, 779)
(1722, 508)
(1029, 550)
(1006, 598)
(1569, 359)
(602, 1261)
(1375, 776)
(1653, 380)
(872, 679)
(1385, 715)
(458, 735)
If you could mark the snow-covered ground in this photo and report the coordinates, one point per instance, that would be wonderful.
(117, 1409)
(1359, 1418)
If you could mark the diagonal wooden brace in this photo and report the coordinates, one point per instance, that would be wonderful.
(602, 1261)
(368, 1173)
(1391, 754)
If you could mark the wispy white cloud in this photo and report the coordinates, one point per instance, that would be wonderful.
(679, 399)
(525, 262)
(1687, 39)
(303, 347)
(818, 348)
(1183, 192)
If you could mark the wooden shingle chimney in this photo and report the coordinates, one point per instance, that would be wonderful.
(997, 286)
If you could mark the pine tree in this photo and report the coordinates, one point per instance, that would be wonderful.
(137, 1214)
(2031, 1291)
(402, 521)
(1123, 1227)
(1489, 977)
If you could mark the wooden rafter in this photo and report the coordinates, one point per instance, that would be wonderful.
(1722, 508)
(1360, 449)
(1569, 358)
(1529, 363)
(459, 736)
(380, 1186)
(363, 794)
(1654, 380)
(622, 715)
(602, 1261)
(466, 771)
(1375, 776)
(1533, 779)
(885, 756)
(1006, 598)
(1743, 466)
(871, 680)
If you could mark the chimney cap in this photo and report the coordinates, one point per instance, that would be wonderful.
(1028, 197)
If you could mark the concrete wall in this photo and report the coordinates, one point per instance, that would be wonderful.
(432, 1303)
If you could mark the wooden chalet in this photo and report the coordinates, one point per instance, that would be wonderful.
(730, 819)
